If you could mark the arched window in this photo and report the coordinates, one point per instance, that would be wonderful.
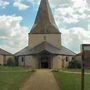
(22, 59)
(66, 59)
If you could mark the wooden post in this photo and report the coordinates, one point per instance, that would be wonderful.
(4, 60)
(24, 61)
(82, 70)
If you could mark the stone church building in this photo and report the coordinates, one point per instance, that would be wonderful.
(44, 48)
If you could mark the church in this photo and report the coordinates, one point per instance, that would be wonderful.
(44, 48)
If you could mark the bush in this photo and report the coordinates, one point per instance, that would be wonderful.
(11, 62)
(55, 70)
(74, 64)
(33, 70)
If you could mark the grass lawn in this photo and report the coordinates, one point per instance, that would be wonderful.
(69, 81)
(76, 70)
(6, 68)
(11, 78)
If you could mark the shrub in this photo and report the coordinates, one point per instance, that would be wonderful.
(11, 62)
(55, 70)
(74, 64)
(33, 70)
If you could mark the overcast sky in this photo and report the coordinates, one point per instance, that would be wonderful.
(17, 17)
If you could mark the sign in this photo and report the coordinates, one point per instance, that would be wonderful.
(86, 47)
(86, 55)
(85, 63)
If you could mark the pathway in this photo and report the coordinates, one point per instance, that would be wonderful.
(41, 80)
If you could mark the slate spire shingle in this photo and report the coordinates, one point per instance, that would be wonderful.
(44, 22)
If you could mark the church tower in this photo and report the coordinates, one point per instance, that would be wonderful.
(44, 48)
(44, 28)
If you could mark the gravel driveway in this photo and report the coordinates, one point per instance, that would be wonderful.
(41, 80)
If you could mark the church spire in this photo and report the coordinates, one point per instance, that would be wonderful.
(44, 22)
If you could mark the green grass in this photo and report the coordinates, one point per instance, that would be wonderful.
(76, 70)
(72, 70)
(68, 81)
(6, 68)
(12, 78)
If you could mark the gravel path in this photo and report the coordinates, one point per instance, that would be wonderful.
(41, 80)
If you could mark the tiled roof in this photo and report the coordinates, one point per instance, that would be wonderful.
(45, 47)
(44, 22)
(3, 52)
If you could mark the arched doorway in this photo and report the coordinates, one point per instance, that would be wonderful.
(45, 62)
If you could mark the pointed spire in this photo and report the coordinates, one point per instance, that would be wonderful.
(44, 22)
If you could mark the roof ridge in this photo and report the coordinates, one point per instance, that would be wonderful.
(20, 50)
(69, 49)
(6, 51)
(45, 42)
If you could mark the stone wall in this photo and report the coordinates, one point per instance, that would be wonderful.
(57, 62)
(4, 59)
(60, 62)
(66, 60)
(1, 60)
(36, 39)
(28, 61)
(78, 58)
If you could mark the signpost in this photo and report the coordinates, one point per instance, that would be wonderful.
(82, 69)
(85, 47)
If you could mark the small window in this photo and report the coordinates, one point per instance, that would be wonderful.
(22, 59)
(66, 59)
(44, 37)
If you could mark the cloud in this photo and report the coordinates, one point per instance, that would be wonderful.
(69, 11)
(3, 3)
(79, 3)
(72, 11)
(35, 2)
(73, 18)
(74, 14)
(66, 14)
(13, 36)
(20, 5)
(74, 37)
